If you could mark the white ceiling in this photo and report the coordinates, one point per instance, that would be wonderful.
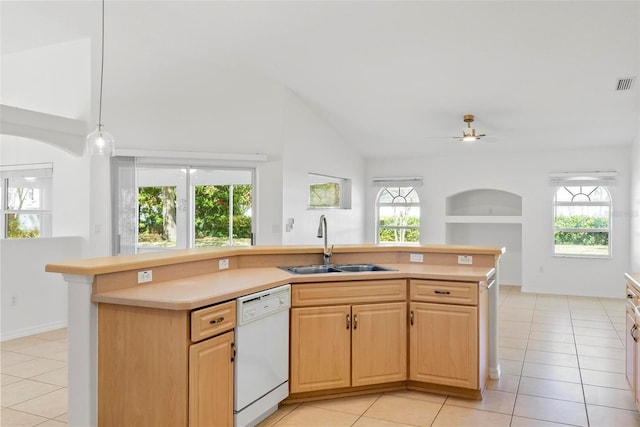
(388, 75)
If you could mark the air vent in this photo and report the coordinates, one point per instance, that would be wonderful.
(625, 83)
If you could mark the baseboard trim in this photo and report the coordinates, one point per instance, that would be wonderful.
(25, 332)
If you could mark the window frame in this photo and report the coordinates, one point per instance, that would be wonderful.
(582, 182)
(379, 205)
(41, 172)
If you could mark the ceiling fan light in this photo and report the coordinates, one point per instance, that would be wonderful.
(469, 138)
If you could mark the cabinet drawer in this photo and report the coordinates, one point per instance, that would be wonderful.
(213, 320)
(465, 293)
(351, 292)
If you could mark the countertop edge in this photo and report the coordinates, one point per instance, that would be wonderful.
(132, 296)
(112, 264)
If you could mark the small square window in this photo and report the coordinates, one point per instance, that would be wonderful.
(329, 192)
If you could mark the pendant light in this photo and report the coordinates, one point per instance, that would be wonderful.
(101, 142)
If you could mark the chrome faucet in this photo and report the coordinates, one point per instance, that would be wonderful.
(322, 232)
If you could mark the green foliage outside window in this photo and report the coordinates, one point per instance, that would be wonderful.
(395, 235)
(157, 215)
(15, 230)
(583, 238)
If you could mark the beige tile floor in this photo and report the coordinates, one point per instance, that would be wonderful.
(562, 361)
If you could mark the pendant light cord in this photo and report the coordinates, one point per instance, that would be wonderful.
(101, 69)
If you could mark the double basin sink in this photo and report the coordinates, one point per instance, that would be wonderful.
(335, 268)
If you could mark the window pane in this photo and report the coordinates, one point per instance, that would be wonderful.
(23, 226)
(213, 210)
(392, 223)
(398, 195)
(582, 207)
(582, 243)
(157, 217)
(242, 202)
(582, 217)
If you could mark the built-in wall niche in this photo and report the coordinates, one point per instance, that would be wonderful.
(484, 203)
(488, 217)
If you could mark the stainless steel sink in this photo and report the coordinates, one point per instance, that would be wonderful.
(335, 268)
(311, 269)
(361, 267)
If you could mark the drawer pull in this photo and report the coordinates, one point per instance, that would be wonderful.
(442, 292)
(218, 320)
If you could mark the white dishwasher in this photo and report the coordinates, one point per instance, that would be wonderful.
(262, 354)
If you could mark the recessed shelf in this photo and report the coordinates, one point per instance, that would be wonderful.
(483, 219)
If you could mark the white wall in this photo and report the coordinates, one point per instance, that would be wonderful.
(41, 298)
(525, 174)
(634, 210)
(311, 145)
(53, 79)
(32, 300)
(70, 186)
(235, 112)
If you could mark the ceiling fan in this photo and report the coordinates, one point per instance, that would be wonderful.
(469, 134)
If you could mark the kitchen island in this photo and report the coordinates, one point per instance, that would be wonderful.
(187, 281)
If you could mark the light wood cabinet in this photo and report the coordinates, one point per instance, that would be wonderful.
(630, 365)
(448, 333)
(444, 344)
(632, 341)
(378, 343)
(320, 348)
(151, 372)
(347, 345)
(211, 381)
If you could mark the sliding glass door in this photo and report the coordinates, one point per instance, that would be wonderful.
(181, 206)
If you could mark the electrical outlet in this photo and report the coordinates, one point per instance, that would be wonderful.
(465, 259)
(144, 276)
(416, 257)
(14, 301)
(223, 264)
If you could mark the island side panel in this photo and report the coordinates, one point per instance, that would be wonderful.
(143, 366)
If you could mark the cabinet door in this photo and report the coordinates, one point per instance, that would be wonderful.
(443, 341)
(211, 382)
(630, 346)
(379, 343)
(320, 348)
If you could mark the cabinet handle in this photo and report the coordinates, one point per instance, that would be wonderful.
(233, 355)
(218, 320)
(355, 321)
(633, 330)
(442, 292)
(348, 321)
(411, 317)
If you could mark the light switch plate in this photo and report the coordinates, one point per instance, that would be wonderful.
(223, 264)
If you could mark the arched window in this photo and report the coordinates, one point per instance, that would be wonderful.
(398, 216)
(582, 221)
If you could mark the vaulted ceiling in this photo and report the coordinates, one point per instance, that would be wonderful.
(389, 76)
